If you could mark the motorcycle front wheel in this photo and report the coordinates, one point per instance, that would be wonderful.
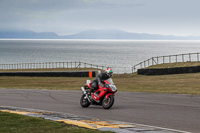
(108, 102)
(84, 101)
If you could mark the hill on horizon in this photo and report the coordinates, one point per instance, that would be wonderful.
(90, 34)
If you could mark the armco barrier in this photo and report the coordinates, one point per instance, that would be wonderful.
(52, 74)
(164, 71)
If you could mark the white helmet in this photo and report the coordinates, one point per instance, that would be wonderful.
(109, 72)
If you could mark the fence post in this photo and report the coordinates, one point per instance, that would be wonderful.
(140, 65)
(189, 57)
(153, 60)
(182, 57)
(163, 59)
(198, 57)
(157, 60)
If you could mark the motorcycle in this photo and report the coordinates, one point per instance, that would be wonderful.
(104, 95)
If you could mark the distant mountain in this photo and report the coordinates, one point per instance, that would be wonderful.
(27, 34)
(102, 34)
(118, 34)
(91, 34)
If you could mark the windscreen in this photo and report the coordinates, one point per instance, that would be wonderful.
(110, 81)
(112, 85)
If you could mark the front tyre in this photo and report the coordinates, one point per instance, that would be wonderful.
(108, 102)
(84, 101)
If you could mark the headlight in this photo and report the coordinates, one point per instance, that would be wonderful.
(113, 87)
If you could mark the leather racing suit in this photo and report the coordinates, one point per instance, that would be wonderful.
(99, 80)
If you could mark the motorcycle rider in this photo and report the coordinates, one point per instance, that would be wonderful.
(100, 79)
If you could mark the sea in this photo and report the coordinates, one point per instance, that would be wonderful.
(121, 55)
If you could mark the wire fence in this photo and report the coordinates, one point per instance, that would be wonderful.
(190, 57)
(48, 65)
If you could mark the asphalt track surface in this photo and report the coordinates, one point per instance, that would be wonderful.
(179, 112)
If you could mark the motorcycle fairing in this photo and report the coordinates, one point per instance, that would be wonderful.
(100, 95)
(107, 95)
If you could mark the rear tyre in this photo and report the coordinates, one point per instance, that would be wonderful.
(108, 102)
(84, 101)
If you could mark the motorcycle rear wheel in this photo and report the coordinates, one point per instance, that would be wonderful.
(108, 102)
(84, 101)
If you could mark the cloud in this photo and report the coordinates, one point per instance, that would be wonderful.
(31, 6)
(35, 10)
(134, 15)
(59, 5)
(18, 12)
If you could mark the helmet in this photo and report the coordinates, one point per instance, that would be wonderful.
(109, 72)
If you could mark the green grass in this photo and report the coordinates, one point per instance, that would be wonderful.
(178, 64)
(61, 83)
(174, 83)
(14, 123)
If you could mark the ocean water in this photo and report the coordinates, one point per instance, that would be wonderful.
(122, 55)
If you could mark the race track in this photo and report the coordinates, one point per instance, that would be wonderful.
(179, 112)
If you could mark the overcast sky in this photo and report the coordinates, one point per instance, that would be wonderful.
(168, 17)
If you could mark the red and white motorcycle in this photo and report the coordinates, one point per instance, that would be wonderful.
(104, 95)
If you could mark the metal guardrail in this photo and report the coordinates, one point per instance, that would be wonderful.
(47, 65)
(190, 57)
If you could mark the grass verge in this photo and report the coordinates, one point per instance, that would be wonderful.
(174, 83)
(178, 64)
(14, 123)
